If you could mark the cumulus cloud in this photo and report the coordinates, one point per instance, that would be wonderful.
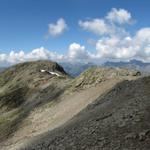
(119, 16)
(142, 43)
(36, 54)
(56, 29)
(15, 57)
(3, 57)
(107, 47)
(109, 24)
(113, 42)
(77, 52)
(97, 26)
(143, 35)
(115, 48)
(126, 47)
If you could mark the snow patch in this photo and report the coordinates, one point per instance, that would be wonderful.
(54, 73)
(50, 72)
(43, 70)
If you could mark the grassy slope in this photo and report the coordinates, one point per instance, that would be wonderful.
(18, 84)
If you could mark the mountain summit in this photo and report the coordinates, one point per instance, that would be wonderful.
(23, 87)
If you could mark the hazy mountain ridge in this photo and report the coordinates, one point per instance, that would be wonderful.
(76, 68)
(2, 69)
(132, 64)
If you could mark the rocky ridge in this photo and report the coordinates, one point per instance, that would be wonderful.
(43, 109)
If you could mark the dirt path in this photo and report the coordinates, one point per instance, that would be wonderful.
(55, 114)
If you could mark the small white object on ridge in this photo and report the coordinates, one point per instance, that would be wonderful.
(55, 73)
(43, 70)
(50, 72)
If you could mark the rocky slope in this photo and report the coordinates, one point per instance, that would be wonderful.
(97, 75)
(37, 97)
(118, 120)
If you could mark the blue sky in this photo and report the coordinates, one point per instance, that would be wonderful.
(24, 23)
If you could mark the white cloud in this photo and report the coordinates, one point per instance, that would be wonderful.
(97, 26)
(105, 26)
(58, 28)
(125, 48)
(114, 42)
(35, 54)
(142, 43)
(115, 48)
(107, 47)
(3, 57)
(76, 51)
(42, 53)
(143, 35)
(15, 57)
(119, 16)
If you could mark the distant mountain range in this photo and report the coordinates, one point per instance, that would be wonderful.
(76, 68)
(2, 69)
(132, 64)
